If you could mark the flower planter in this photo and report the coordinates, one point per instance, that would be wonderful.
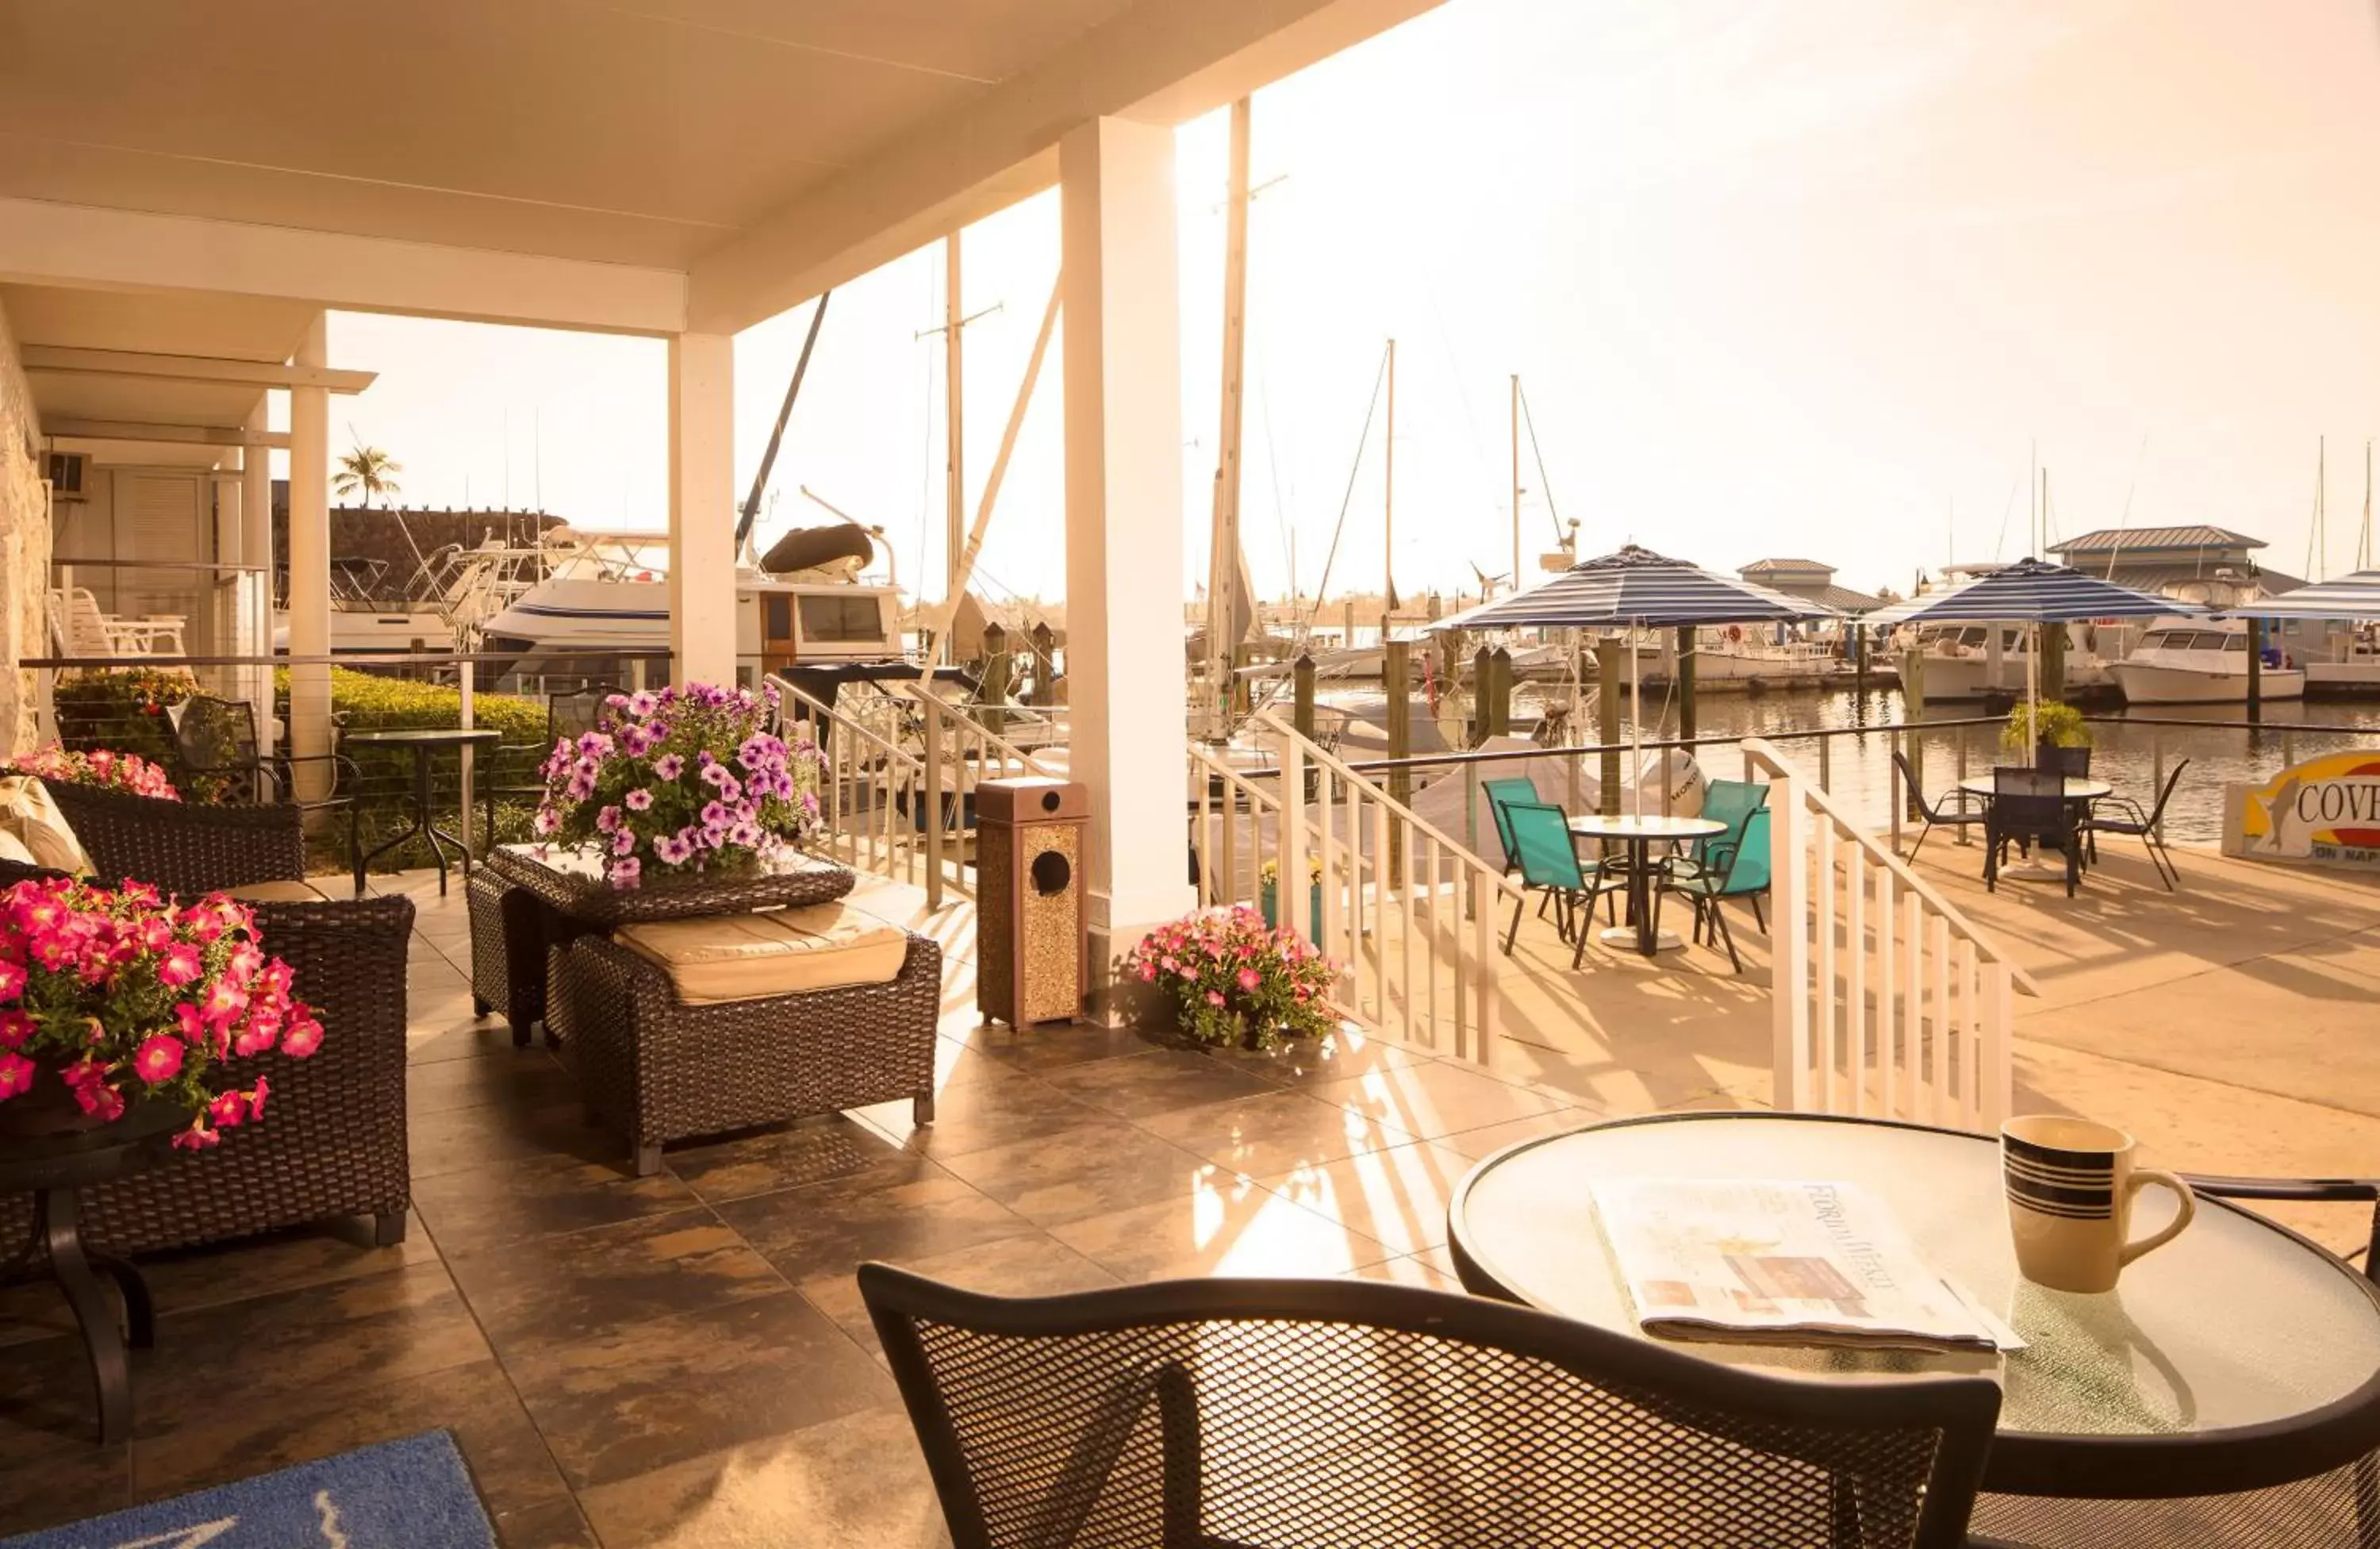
(1270, 904)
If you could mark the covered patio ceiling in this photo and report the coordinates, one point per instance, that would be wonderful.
(726, 158)
(186, 350)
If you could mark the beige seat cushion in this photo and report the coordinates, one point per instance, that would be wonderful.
(775, 952)
(279, 893)
(28, 811)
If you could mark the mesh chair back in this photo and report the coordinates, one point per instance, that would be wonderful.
(1290, 1413)
(2028, 801)
(1498, 792)
(2173, 778)
(1917, 791)
(1542, 846)
(2073, 764)
(1747, 871)
(576, 713)
(1730, 801)
(215, 740)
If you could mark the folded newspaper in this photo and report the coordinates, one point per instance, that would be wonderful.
(1782, 1263)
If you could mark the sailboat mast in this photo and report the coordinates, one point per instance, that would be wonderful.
(1516, 483)
(1389, 506)
(954, 476)
(2363, 539)
(1224, 550)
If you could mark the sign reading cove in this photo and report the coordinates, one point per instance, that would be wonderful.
(2326, 812)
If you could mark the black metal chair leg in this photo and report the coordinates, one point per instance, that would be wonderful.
(1927, 827)
(1757, 918)
(1515, 934)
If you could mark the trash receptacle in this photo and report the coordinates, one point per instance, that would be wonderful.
(1032, 925)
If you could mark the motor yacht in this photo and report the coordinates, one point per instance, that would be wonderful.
(2201, 661)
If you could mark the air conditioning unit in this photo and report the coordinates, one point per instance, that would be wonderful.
(70, 475)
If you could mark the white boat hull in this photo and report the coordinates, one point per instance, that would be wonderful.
(2145, 684)
(2343, 674)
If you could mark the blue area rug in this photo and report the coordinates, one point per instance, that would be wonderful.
(413, 1494)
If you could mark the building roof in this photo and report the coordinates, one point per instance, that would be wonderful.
(1767, 566)
(2131, 540)
(2154, 576)
(1842, 599)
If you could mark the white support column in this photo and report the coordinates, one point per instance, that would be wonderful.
(309, 570)
(702, 507)
(255, 634)
(1125, 668)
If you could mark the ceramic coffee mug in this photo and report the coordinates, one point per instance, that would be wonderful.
(2071, 1184)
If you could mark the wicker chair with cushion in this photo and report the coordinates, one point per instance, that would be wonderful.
(660, 1068)
(180, 846)
(1217, 1414)
(332, 1142)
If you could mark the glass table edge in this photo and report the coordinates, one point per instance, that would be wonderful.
(2363, 1404)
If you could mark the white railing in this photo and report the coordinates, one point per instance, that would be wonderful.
(1408, 913)
(870, 795)
(1888, 1002)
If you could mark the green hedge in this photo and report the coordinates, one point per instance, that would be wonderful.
(122, 709)
(362, 702)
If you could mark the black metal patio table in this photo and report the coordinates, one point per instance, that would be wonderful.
(425, 741)
(54, 1166)
(2232, 1378)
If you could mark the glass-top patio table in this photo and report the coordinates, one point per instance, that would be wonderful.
(2239, 1357)
(1640, 832)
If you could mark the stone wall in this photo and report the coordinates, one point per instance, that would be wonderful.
(24, 547)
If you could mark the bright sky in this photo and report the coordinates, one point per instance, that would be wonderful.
(1780, 278)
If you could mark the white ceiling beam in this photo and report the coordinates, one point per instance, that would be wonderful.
(45, 242)
(70, 429)
(188, 368)
(1162, 61)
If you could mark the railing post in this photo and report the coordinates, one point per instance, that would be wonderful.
(466, 680)
(1790, 990)
(1962, 833)
(1895, 797)
(1913, 714)
(933, 796)
(1396, 682)
(1291, 889)
(1826, 763)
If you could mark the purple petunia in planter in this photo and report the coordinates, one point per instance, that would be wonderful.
(686, 778)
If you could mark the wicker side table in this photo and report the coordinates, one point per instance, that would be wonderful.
(538, 899)
(658, 1069)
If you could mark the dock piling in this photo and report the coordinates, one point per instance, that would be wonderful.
(2255, 669)
(1396, 681)
(1607, 704)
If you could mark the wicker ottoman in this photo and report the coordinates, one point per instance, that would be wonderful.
(659, 1069)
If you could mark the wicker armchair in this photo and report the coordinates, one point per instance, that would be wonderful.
(662, 1070)
(182, 847)
(1211, 1414)
(332, 1142)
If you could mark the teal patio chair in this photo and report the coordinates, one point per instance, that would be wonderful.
(1498, 792)
(1731, 871)
(1549, 865)
(1727, 801)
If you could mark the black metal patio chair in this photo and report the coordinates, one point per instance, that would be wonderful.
(1952, 809)
(1228, 1414)
(2128, 818)
(2029, 806)
(512, 767)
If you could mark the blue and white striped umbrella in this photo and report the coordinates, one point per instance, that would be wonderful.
(2353, 597)
(2030, 592)
(1635, 587)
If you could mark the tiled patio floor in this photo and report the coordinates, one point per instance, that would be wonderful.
(682, 1359)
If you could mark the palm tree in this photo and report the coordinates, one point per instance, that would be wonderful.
(369, 471)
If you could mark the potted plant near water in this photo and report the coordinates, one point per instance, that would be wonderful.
(687, 778)
(1233, 982)
(2051, 723)
(121, 1006)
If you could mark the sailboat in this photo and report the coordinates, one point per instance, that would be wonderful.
(2354, 646)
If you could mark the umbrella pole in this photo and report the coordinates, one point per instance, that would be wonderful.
(1636, 726)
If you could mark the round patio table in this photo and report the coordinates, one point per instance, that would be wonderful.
(424, 741)
(2079, 788)
(2238, 1356)
(1640, 832)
